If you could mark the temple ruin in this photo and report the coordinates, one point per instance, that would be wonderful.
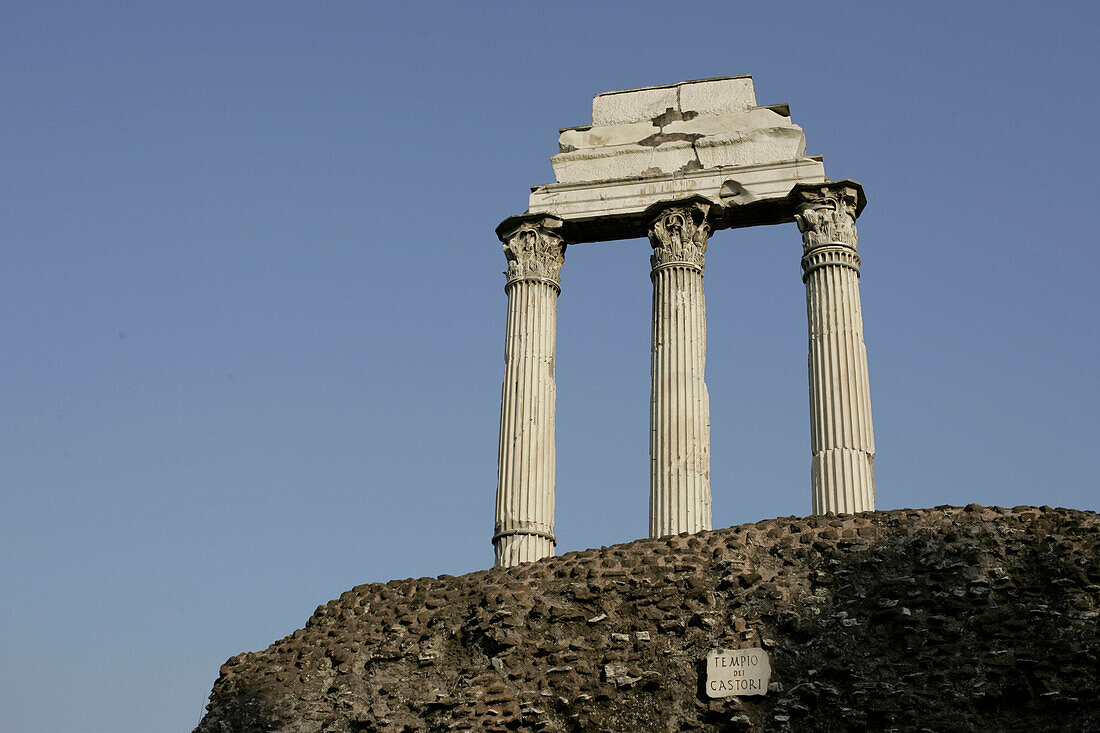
(675, 163)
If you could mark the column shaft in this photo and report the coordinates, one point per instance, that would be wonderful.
(679, 445)
(525, 493)
(841, 433)
(524, 519)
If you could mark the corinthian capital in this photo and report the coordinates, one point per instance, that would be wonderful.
(826, 213)
(679, 234)
(534, 249)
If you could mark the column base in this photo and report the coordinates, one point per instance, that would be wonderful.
(843, 481)
(515, 546)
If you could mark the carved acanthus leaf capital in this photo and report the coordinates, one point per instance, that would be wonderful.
(679, 235)
(826, 214)
(534, 252)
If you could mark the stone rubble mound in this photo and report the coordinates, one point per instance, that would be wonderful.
(944, 619)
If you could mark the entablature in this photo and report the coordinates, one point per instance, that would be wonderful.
(704, 139)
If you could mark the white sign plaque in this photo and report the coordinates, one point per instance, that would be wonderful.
(737, 672)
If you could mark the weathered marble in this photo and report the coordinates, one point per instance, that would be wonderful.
(524, 525)
(841, 434)
(674, 129)
(606, 210)
(679, 424)
(674, 163)
(704, 138)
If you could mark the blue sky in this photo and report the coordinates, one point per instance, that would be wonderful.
(253, 310)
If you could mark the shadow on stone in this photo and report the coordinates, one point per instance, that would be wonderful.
(970, 619)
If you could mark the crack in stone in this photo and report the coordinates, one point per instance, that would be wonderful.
(660, 138)
(671, 115)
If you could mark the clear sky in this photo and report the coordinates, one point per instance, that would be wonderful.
(253, 310)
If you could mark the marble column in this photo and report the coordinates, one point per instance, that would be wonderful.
(841, 436)
(524, 526)
(679, 415)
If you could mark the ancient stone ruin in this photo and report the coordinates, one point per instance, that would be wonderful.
(960, 619)
(946, 619)
(675, 163)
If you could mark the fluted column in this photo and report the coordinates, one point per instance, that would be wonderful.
(841, 435)
(524, 526)
(679, 416)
